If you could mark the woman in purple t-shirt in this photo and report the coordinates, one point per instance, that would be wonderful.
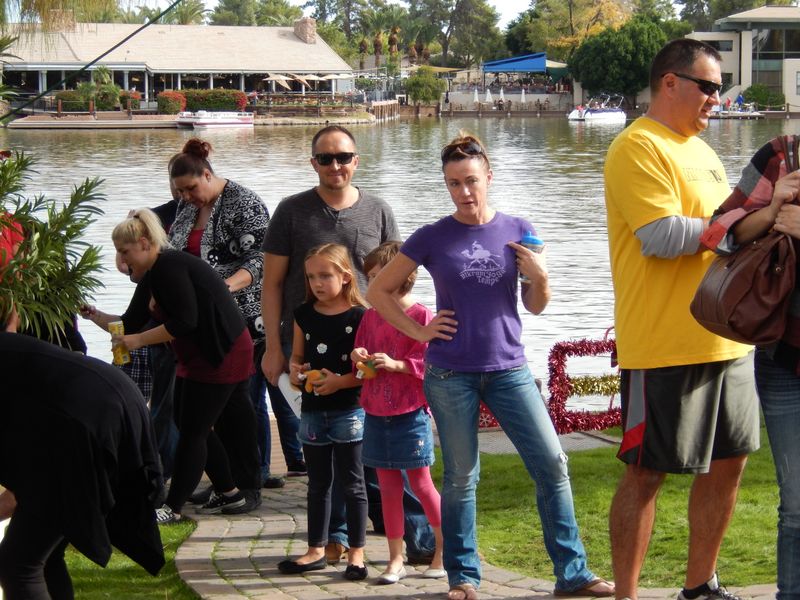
(475, 354)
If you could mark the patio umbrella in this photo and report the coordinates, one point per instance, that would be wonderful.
(502, 97)
(522, 97)
(488, 95)
(475, 98)
(280, 79)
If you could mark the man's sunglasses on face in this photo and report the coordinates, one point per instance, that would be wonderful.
(343, 158)
(709, 88)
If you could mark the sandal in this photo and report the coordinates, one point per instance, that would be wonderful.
(462, 591)
(606, 590)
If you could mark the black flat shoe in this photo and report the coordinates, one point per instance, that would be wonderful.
(355, 573)
(290, 567)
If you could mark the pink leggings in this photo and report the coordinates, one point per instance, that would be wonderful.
(391, 484)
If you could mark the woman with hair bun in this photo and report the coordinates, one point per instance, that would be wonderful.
(214, 353)
(475, 353)
(224, 223)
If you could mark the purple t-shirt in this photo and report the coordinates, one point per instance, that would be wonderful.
(475, 274)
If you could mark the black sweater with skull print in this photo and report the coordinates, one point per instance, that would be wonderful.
(231, 241)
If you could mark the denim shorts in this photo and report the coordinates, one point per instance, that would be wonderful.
(398, 442)
(320, 428)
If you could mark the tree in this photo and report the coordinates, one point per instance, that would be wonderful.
(478, 38)
(424, 87)
(558, 27)
(764, 98)
(188, 12)
(618, 60)
(697, 13)
(337, 40)
(277, 12)
(234, 12)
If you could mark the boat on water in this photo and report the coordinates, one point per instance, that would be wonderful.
(604, 108)
(203, 119)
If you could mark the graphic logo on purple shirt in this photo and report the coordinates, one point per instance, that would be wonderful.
(485, 267)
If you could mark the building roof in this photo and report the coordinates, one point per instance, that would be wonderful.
(527, 63)
(176, 48)
(770, 17)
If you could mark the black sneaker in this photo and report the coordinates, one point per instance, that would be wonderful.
(219, 502)
(252, 500)
(202, 495)
(273, 482)
(165, 516)
(297, 469)
(710, 590)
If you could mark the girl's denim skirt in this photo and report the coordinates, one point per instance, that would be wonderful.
(398, 442)
(322, 428)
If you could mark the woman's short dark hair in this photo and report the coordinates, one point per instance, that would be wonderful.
(679, 56)
(192, 160)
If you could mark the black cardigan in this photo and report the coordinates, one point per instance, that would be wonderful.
(193, 301)
(77, 445)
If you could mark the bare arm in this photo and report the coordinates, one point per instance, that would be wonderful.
(757, 223)
(98, 317)
(8, 502)
(239, 280)
(134, 341)
(536, 292)
(275, 270)
(380, 296)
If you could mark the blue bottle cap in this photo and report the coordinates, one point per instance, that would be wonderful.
(531, 239)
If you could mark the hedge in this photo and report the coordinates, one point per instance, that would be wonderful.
(72, 101)
(171, 102)
(216, 99)
(134, 97)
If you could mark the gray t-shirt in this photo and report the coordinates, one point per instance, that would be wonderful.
(304, 221)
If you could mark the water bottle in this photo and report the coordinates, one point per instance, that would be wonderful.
(532, 243)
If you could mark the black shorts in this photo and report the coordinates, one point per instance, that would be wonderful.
(678, 419)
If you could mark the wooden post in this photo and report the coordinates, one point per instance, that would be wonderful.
(91, 108)
(58, 107)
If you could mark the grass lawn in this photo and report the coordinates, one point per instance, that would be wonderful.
(125, 579)
(509, 530)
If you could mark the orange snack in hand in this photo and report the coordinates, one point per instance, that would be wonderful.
(367, 369)
(311, 377)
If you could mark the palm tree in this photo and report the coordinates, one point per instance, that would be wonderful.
(188, 12)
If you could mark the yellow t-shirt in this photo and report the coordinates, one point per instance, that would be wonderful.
(652, 172)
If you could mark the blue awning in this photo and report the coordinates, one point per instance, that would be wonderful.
(528, 63)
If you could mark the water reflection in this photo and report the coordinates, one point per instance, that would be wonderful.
(546, 170)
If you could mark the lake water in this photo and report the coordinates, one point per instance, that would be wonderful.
(548, 171)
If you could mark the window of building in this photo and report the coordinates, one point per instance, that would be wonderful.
(721, 45)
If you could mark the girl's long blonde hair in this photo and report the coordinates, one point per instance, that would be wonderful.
(339, 257)
(143, 223)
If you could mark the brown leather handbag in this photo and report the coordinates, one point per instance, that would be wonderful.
(745, 296)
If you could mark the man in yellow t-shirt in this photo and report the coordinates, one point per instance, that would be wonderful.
(688, 396)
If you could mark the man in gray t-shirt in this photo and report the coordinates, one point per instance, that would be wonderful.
(335, 211)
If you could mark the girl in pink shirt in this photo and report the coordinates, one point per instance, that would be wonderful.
(397, 429)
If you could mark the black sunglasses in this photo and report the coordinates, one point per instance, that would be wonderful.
(343, 158)
(469, 148)
(709, 88)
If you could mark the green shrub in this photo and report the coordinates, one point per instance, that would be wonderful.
(171, 102)
(72, 101)
(134, 97)
(764, 98)
(107, 97)
(216, 99)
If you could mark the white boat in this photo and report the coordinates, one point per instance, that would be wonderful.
(605, 108)
(203, 119)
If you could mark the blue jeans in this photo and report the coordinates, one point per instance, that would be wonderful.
(779, 390)
(514, 399)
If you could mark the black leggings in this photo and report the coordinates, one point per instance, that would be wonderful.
(229, 453)
(32, 563)
(350, 473)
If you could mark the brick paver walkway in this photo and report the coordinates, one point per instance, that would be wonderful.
(231, 558)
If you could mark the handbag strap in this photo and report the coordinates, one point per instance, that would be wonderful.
(790, 146)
